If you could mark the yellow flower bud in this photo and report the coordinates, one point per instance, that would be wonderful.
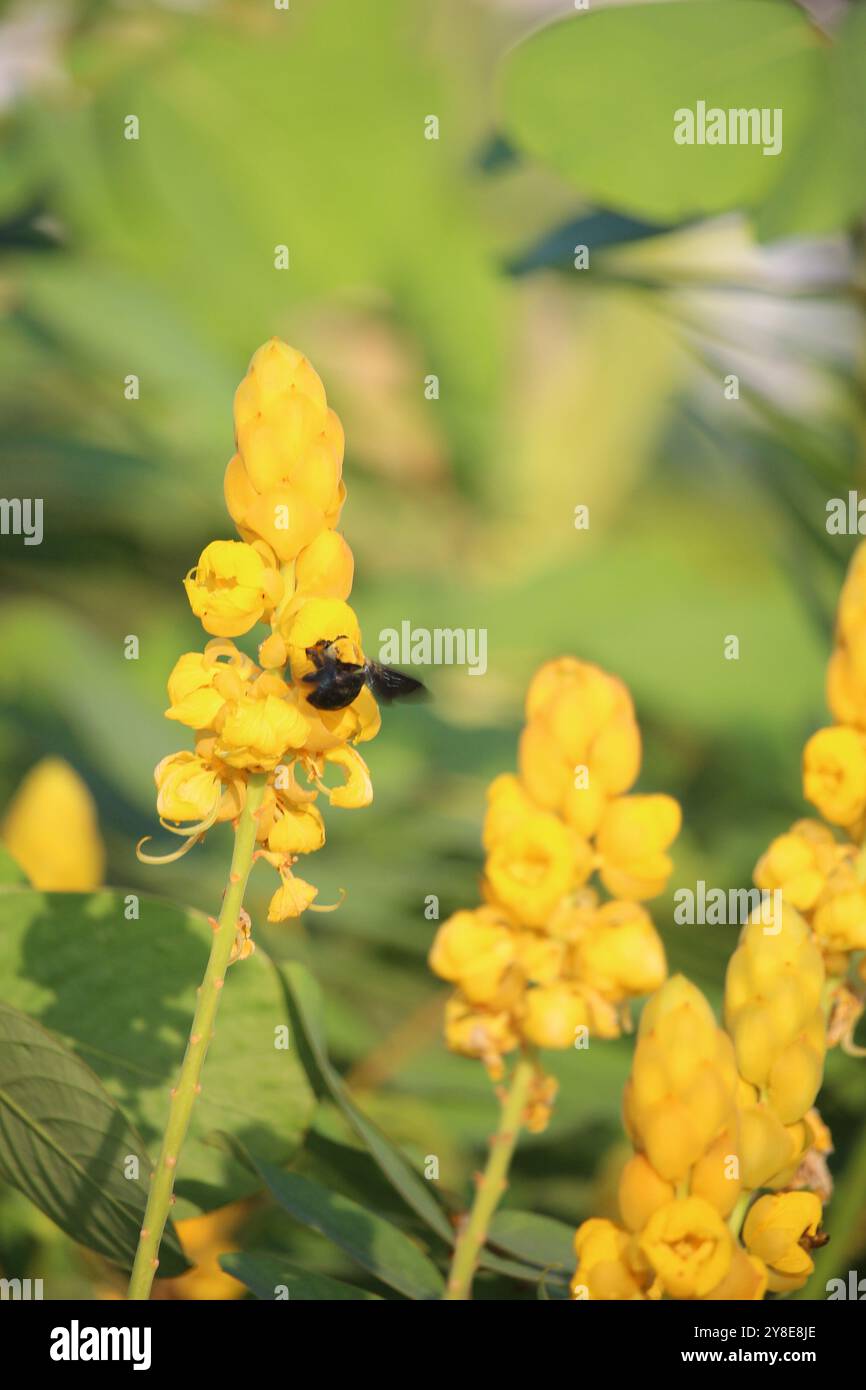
(745, 1281)
(839, 919)
(716, 1175)
(799, 863)
(544, 771)
(767, 1147)
(476, 1032)
(552, 1015)
(605, 1266)
(782, 1230)
(846, 683)
(474, 950)
(231, 588)
(689, 1246)
(507, 806)
(632, 837)
(641, 1192)
(834, 773)
(286, 519)
(621, 952)
(51, 829)
(273, 652)
(325, 568)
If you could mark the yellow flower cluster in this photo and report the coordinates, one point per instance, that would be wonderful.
(682, 1193)
(292, 571)
(821, 876)
(544, 959)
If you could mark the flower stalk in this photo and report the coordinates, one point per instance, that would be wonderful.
(188, 1086)
(491, 1184)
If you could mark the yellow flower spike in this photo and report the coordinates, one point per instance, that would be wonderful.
(689, 1246)
(51, 829)
(633, 835)
(297, 830)
(532, 867)
(231, 588)
(773, 1012)
(357, 790)
(476, 951)
(782, 1230)
(255, 732)
(682, 1090)
(834, 774)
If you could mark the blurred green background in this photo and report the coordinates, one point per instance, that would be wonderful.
(557, 387)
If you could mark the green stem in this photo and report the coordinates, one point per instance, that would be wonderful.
(491, 1184)
(188, 1086)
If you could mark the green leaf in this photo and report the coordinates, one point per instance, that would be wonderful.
(264, 1273)
(822, 188)
(121, 993)
(11, 872)
(540, 1240)
(595, 96)
(66, 1145)
(378, 1246)
(305, 1001)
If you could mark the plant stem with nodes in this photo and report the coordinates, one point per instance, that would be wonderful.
(491, 1184)
(188, 1086)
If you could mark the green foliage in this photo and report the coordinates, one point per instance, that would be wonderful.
(263, 1274)
(121, 994)
(595, 96)
(67, 1145)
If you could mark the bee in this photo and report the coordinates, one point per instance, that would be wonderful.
(337, 683)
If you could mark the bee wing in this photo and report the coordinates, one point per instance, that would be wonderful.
(388, 684)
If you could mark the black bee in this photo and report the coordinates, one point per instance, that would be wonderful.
(337, 682)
